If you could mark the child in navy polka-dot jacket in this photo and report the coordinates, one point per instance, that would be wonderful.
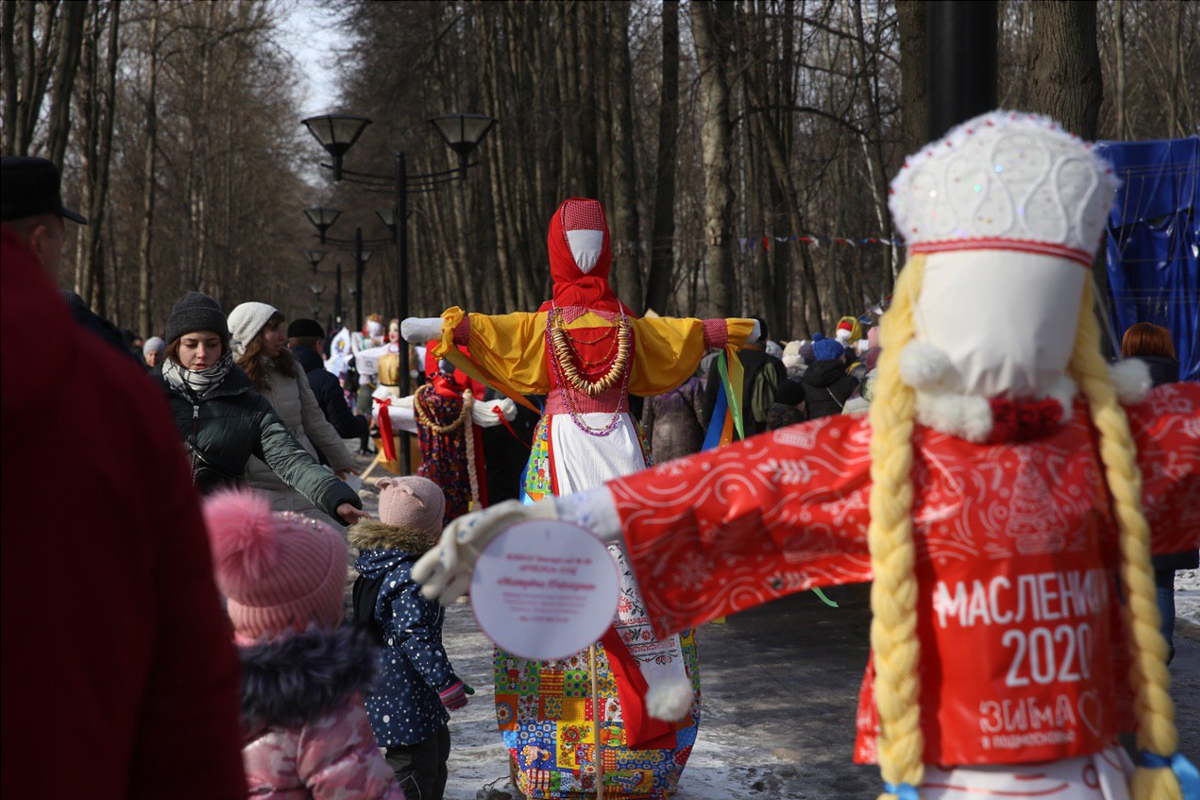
(408, 709)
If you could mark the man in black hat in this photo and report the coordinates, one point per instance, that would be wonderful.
(306, 338)
(31, 207)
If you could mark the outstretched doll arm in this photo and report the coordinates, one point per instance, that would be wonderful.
(714, 533)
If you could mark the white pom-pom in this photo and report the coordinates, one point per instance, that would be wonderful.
(1131, 378)
(669, 700)
(922, 364)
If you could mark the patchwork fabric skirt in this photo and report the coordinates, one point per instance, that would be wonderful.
(547, 715)
(562, 735)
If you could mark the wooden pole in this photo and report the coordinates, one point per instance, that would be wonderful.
(596, 727)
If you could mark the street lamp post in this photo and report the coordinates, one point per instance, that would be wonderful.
(337, 134)
(337, 297)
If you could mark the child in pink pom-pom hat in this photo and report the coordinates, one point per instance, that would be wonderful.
(306, 730)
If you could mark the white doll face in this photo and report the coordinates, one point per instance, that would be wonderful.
(585, 248)
(1006, 320)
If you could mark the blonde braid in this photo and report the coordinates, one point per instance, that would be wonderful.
(1148, 674)
(894, 590)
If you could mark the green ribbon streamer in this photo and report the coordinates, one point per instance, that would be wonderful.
(735, 402)
(824, 599)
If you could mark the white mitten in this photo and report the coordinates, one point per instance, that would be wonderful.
(484, 414)
(445, 571)
(755, 333)
(419, 330)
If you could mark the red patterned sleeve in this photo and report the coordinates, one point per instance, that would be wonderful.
(1166, 429)
(748, 523)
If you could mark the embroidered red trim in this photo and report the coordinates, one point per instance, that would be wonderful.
(1081, 257)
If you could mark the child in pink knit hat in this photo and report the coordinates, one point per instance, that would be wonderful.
(306, 731)
(409, 708)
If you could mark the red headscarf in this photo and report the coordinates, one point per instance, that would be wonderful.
(572, 286)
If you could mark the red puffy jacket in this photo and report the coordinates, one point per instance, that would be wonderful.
(120, 679)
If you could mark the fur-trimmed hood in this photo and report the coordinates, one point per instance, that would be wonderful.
(288, 681)
(376, 535)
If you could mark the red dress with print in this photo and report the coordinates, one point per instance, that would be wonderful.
(1016, 557)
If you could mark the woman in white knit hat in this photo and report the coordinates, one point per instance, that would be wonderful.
(259, 339)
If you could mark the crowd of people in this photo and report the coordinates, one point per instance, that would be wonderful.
(262, 686)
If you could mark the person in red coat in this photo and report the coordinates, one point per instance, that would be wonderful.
(120, 679)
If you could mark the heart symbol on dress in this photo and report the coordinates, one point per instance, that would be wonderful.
(1090, 711)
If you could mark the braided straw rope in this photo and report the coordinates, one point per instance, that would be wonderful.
(894, 590)
(1148, 673)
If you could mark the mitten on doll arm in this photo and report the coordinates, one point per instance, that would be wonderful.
(338, 757)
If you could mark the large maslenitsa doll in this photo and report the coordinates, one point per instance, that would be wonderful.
(572, 724)
(1003, 495)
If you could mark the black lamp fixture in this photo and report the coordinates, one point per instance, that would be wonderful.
(337, 133)
(314, 258)
(463, 133)
(322, 218)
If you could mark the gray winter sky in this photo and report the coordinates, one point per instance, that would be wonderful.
(310, 34)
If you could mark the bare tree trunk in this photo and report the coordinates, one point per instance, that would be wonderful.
(567, 58)
(868, 67)
(99, 107)
(70, 42)
(662, 253)
(627, 228)
(1064, 65)
(1119, 42)
(149, 170)
(914, 78)
(1174, 123)
(8, 60)
(711, 24)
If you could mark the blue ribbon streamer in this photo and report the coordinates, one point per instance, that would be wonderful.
(712, 437)
(1185, 771)
(905, 791)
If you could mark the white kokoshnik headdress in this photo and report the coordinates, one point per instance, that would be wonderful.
(1005, 180)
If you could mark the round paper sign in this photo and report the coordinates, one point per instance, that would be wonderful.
(544, 589)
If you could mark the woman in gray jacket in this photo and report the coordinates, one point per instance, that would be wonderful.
(260, 345)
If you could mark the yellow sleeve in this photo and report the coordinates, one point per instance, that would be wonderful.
(507, 350)
(668, 350)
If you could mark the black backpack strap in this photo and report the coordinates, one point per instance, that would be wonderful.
(365, 597)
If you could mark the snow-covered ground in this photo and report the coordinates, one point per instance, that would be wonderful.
(1187, 598)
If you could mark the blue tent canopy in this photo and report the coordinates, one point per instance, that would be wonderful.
(1154, 242)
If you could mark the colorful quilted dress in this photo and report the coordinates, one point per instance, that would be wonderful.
(571, 724)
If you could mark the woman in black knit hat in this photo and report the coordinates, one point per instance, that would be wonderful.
(224, 421)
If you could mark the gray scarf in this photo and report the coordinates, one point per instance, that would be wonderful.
(196, 384)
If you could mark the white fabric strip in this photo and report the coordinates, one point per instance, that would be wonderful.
(583, 462)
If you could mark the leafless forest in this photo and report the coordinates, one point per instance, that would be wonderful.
(743, 149)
